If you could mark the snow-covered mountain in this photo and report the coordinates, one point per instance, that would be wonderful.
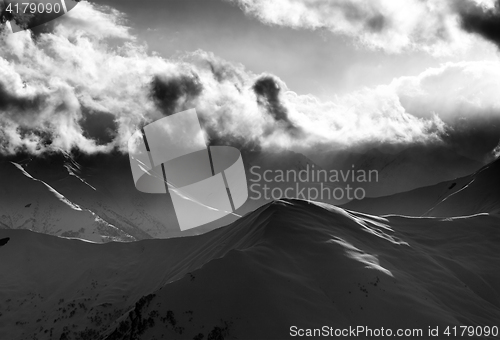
(402, 170)
(289, 263)
(30, 203)
(41, 193)
(94, 198)
(476, 193)
(103, 184)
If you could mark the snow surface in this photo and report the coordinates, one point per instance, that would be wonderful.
(469, 195)
(31, 203)
(287, 263)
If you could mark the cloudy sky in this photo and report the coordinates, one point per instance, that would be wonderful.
(299, 74)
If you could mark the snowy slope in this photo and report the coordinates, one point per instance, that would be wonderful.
(405, 170)
(288, 263)
(480, 194)
(103, 184)
(468, 195)
(30, 203)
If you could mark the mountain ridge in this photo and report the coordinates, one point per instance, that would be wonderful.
(288, 261)
(473, 194)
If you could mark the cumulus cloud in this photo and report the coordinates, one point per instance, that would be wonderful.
(106, 22)
(70, 87)
(464, 96)
(435, 26)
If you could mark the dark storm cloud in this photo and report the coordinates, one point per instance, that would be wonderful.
(98, 126)
(475, 19)
(268, 92)
(376, 23)
(10, 101)
(170, 93)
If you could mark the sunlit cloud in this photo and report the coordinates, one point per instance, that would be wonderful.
(91, 88)
(435, 26)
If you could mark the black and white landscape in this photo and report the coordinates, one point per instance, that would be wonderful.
(287, 263)
(396, 101)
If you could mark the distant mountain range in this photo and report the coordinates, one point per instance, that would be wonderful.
(476, 193)
(41, 194)
(94, 198)
(31, 203)
(402, 170)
